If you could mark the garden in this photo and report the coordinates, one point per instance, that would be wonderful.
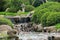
(46, 12)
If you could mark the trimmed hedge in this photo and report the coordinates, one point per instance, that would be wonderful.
(29, 8)
(50, 18)
(53, 18)
(42, 9)
(44, 18)
(5, 21)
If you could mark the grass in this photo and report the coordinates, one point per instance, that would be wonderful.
(8, 13)
(13, 14)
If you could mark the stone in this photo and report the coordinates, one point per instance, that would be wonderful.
(5, 28)
(50, 29)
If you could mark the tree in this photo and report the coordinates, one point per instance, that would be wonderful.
(2, 3)
(37, 3)
(15, 5)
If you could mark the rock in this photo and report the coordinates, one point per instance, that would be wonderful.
(5, 28)
(40, 27)
(37, 28)
(50, 29)
(12, 32)
(55, 38)
(58, 30)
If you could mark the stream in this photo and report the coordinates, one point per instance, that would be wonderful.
(36, 36)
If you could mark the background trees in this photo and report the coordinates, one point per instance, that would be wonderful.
(2, 3)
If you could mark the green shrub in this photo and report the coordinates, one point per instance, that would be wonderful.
(54, 0)
(53, 18)
(22, 13)
(57, 26)
(42, 9)
(35, 18)
(26, 2)
(12, 9)
(44, 18)
(29, 8)
(15, 5)
(5, 21)
(50, 18)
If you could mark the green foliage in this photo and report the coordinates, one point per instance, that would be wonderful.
(21, 13)
(57, 26)
(26, 2)
(54, 0)
(35, 18)
(15, 6)
(50, 18)
(44, 19)
(12, 9)
(42, 9)
(12, 4)
(5, 21)
(2, 3)
(13, 14)
(7, 13)
(29, 8)
(53, 18)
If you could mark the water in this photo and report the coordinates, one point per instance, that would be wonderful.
(33, 36)
(36, 36)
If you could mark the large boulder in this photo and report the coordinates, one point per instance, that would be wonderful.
(5, 28)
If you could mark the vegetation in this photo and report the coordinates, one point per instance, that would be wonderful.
(21, 13)
(8, 13)
(44, 18)
(5, 21)
(54, 0)
(29, 8)
(53, 18)
(50, 19)
(57, 26)
(47, 14)
(43, 9)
